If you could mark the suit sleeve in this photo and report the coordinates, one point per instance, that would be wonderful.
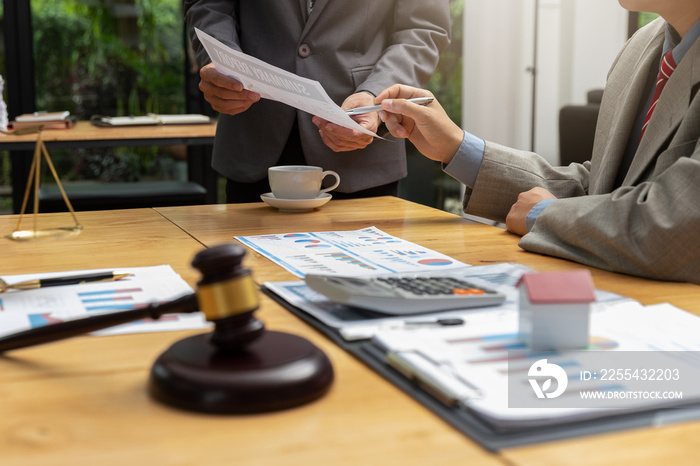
(420, 33)
(507, 172)
(649, 230)
(218, 18)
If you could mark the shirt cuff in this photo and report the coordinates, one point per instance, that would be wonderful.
(466, 163)
(535, 212)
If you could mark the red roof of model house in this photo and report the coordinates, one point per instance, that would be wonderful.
(575, 286)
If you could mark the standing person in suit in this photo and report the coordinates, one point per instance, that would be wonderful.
(353, 48)
(633, 208)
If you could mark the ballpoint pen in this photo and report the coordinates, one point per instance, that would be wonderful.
(59, 281)
(364, 332)
(374, 108)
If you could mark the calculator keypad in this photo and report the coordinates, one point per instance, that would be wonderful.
(432, 286)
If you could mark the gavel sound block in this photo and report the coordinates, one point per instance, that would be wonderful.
(239, 367)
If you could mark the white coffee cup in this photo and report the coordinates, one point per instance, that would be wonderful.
(299, 181)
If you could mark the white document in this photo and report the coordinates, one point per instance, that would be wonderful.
(364, 252)
(477, 355)
(276, 84)
(26, 309)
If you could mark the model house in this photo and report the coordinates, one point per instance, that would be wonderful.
(555, 309)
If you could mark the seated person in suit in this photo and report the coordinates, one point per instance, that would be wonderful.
(633, 208)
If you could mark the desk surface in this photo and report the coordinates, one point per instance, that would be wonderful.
(84, 131)
(83, 401)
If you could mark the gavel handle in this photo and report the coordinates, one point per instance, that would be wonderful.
(59, 331)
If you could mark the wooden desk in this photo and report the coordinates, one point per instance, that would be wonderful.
(470, 242)
(84, 134)
(83, 401)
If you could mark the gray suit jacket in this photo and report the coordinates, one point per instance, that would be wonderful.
(346, 45)
(650, 226)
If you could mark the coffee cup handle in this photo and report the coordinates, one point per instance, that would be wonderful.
(337, 180)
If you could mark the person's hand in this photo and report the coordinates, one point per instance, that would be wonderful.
(226, 95)
(427, 127)
(516, 219)
(342, 139)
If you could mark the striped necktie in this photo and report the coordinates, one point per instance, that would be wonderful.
(668, 64)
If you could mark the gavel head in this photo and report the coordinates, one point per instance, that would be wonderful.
(227, 296)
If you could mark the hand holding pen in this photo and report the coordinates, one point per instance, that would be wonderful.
(429, 128)
(374, 108)
(59, 281)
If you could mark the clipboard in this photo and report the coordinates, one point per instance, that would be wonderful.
(490, 437)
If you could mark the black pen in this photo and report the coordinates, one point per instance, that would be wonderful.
(60, 281)
(364, 332)
(445, 322)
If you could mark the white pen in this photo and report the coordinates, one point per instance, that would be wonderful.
(374, 108)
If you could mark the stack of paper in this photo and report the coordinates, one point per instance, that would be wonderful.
(48, 120)
(475, 366)
(26, 309)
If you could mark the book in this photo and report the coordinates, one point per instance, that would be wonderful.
(150, 119)
(38, 117)
(65, 123)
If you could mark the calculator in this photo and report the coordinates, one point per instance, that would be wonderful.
(404, 294)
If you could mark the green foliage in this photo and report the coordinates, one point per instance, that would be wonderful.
(5, 168)
(446, 82)
(106, 57)
(112, 58)
(2, 48)
(645, 18)
(446, 85)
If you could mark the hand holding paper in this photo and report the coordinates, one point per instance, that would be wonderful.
(342, 139)
(277, 84)
(225, 94)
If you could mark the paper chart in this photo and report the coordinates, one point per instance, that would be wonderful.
(368, 251)
(26, 309)
(483, 354)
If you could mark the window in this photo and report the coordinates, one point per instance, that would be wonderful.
(111, 57)
(638, 20)
(439, 190)
(107, 57)
(5, 166)
(115, 58)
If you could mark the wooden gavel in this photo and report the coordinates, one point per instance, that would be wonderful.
(239, 367)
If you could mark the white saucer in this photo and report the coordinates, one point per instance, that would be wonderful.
(295, 205)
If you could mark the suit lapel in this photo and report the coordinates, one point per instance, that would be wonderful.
(304, 6)
(619, 110)
(668, 114)
(313, 17)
